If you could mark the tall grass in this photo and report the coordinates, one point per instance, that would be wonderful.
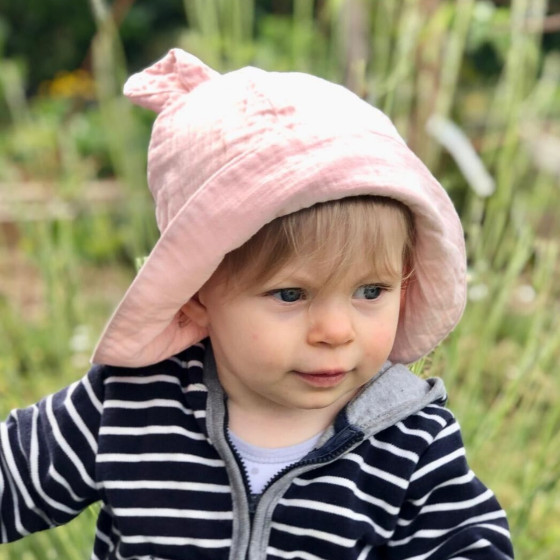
(414, 59)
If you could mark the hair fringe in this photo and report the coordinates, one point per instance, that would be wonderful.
(333, 236)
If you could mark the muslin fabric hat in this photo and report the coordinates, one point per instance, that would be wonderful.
(231, 152)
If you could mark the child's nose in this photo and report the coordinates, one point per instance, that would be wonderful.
(330, 323)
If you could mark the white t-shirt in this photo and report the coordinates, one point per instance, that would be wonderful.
(263, 463)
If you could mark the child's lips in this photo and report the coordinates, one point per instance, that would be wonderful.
(323, 378)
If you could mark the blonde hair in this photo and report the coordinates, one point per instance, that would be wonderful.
(332, 236)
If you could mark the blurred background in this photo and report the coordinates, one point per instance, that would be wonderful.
(472, 85)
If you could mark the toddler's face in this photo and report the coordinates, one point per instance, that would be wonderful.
(298, 341)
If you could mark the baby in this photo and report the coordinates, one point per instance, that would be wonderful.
(249, 398)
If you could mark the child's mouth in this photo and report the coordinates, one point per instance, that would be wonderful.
(322, 378)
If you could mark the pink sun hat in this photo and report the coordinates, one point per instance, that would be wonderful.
(230, 153)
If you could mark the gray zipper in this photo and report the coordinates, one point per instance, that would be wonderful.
(215, 423)
(260, 531)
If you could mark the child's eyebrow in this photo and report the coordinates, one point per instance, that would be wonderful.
(295, 279)
(317, 281)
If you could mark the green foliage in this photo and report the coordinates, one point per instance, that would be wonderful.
(71, 541)
(60, 28)
(74, 238)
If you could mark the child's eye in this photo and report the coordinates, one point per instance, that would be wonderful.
(288, 295)
(369, 291)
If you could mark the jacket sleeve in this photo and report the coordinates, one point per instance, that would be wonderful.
(47, 459)
(448, 513)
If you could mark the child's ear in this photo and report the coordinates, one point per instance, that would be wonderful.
(195, 310)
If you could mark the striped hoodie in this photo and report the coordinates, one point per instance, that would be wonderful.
(387, 481)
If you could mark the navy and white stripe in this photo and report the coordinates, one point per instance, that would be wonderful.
(138, 441)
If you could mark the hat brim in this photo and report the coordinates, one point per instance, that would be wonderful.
(146, 326)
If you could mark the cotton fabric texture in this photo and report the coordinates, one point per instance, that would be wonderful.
(230, 153)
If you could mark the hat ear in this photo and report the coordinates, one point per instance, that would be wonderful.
(176, 74)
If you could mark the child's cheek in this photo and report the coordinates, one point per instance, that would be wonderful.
(380, 344)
